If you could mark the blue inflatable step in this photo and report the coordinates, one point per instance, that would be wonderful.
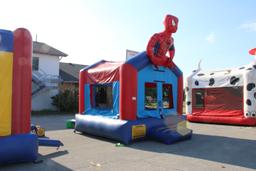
(167, 135)
(49, 143)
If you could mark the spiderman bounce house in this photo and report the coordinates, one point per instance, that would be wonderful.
(16, 142)
(140, 98)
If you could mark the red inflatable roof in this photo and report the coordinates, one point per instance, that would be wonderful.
(104, 72)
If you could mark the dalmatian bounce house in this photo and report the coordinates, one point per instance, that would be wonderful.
(224, 96)
(137, 99)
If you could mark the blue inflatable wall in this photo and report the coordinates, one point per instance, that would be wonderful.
(18, 148)
(130, 131)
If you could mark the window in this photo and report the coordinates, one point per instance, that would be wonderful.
(103, 96)
(199, 98)
(167, 96)
(150, 96)
(35, 64)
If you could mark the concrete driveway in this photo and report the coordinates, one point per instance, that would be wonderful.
(212, 147)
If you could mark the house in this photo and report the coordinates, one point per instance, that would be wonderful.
(69, 74)
(45, 75)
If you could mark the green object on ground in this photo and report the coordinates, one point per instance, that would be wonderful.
(70, 124)
(119, 145)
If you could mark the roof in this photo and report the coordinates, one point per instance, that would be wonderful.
(42, 48)
(70, 72)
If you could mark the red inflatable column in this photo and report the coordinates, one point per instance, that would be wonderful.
(81, 91)
(128, 92)
(22, 81)
(180, 95)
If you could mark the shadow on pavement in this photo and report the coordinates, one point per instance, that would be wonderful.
(44, 163)
(234, 151)
(53, 155)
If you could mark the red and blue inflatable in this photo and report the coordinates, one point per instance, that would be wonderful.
(16, 142)
(136, 99)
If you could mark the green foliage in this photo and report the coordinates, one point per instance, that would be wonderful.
(66, 101)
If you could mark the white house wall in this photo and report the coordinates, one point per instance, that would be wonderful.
(49, 64)
(43, 101)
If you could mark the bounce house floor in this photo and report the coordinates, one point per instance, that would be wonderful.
(169, 130)
(223, 120)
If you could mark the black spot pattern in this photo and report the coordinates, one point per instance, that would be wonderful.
(201, 74)
(254, 66)
(212, 73)
(249, 68)
(196, 83)
(253, 114)
(242, 68)
(248, 102)
(250, 86)
(254, 95)
(187, 89)
(194, 71)
(233, 80)
(246, 114)
(211, 81)
(188, 103)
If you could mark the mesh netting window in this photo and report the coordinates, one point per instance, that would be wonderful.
(103, 96)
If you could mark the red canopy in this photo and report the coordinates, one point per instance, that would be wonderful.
(105, 72)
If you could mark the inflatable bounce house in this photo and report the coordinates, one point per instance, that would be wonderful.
(225, 96)
(17, 144)
(137, 99)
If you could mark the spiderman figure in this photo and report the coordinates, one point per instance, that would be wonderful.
(161, 43)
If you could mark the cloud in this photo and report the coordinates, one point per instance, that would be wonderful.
(249, 26)
(211, 38)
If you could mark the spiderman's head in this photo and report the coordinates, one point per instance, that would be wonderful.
(171, 23)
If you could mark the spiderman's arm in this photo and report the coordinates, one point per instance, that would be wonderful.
(172, 52)
(151, 45)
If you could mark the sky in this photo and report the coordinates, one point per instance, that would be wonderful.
(220, 33)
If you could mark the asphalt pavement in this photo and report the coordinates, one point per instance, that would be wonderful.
(212, 147)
